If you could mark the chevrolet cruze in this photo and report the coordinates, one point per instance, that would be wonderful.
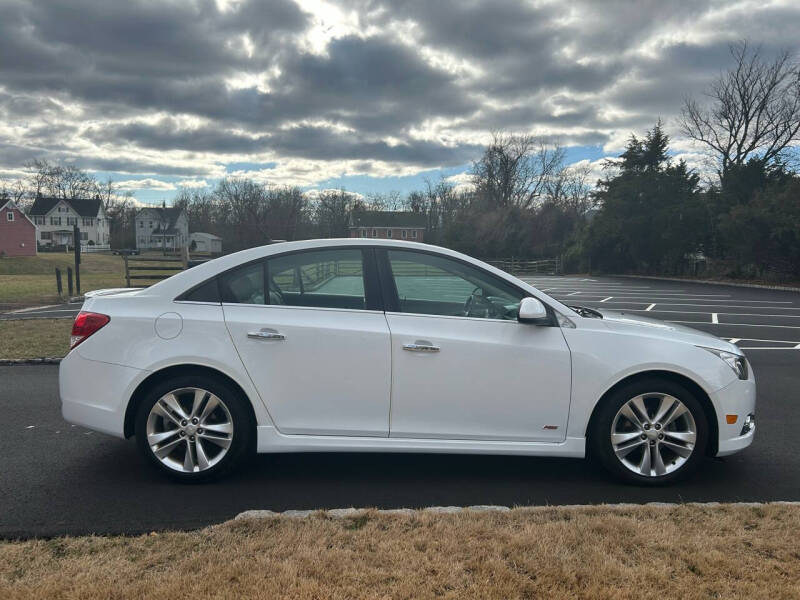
(389, 346)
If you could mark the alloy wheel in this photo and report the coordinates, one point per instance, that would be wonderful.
(189, 429)
(653, 434)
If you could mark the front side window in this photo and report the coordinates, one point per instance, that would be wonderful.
(244, 285)
(318, 279)
(433, 285)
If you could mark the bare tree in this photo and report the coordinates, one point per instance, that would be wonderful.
(68, 182)
(570, 190)
(514, 170)
(333, 211)
(753, 109)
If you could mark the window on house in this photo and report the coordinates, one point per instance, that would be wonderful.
(55, 220)
(38, 220)
(388, 233)
(414, 235)
(84, 236)
(141, 224)
(405, 234)
(88, 221)
(10, 215)
(72, 220)
(46, 235)
(363, 233)
(374, 233)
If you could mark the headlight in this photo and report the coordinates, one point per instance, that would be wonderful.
(736, 362)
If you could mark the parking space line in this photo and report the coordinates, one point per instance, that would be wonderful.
(649, 298)
(714, 318)
(705, 312)
(573, 293)
(649, 308)
(760, 340)
(607, 299)
(739, 324)
(715, 306)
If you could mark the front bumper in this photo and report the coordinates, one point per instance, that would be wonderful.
(737, 398)
(94, 394)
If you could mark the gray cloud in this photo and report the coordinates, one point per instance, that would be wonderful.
(411, 83)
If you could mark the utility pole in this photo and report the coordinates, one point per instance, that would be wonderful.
(76, 239)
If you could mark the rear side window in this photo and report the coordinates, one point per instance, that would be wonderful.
(244, 285)
(206, 292)
(318, 279)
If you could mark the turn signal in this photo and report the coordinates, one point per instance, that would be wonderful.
(731, 419)
(86, 323)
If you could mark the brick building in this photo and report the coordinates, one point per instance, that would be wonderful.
(389, 224)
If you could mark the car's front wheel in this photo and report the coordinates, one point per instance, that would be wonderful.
(193, 428)
(650, 432)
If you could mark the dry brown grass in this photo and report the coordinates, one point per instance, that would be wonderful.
(688, 551)
(34, 338)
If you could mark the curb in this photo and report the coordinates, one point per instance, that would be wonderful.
(760, 286)
(47, 360)
(349, 513)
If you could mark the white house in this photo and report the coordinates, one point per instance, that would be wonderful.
(158, 228)
(55, 217)
(205, 242)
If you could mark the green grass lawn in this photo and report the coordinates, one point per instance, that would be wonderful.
(32, 279)
(34, 338)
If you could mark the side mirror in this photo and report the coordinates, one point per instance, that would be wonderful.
(532, 310)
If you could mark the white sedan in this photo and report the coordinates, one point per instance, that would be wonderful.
(388, 346)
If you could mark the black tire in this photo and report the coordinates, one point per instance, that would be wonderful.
(600, 444)
(243, 427)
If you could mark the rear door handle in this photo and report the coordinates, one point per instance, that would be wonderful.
(421, 346)
(266, 334)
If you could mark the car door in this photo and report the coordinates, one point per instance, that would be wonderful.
(463, 367)
(314, 340)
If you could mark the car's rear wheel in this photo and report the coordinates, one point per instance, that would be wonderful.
(193, 428)
(650, 432)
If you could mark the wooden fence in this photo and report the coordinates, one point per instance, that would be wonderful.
(144, 270)
(522, 266)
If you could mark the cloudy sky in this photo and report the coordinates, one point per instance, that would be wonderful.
(372, 95)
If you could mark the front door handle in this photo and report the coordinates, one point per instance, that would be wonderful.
(421, 346)
(266, 334)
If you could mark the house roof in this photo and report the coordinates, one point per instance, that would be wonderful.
(389, 218)
(11, 205)
(169, 215)
(85, 207)
(203, 234)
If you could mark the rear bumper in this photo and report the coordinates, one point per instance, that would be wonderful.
(738, 398)
(94, 394)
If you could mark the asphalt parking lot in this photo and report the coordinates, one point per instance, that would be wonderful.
(59, 479)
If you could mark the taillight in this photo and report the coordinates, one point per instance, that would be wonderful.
(86, 323)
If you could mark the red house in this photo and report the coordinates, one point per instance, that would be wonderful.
(17, 231)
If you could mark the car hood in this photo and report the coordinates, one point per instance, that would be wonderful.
(622, 321)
